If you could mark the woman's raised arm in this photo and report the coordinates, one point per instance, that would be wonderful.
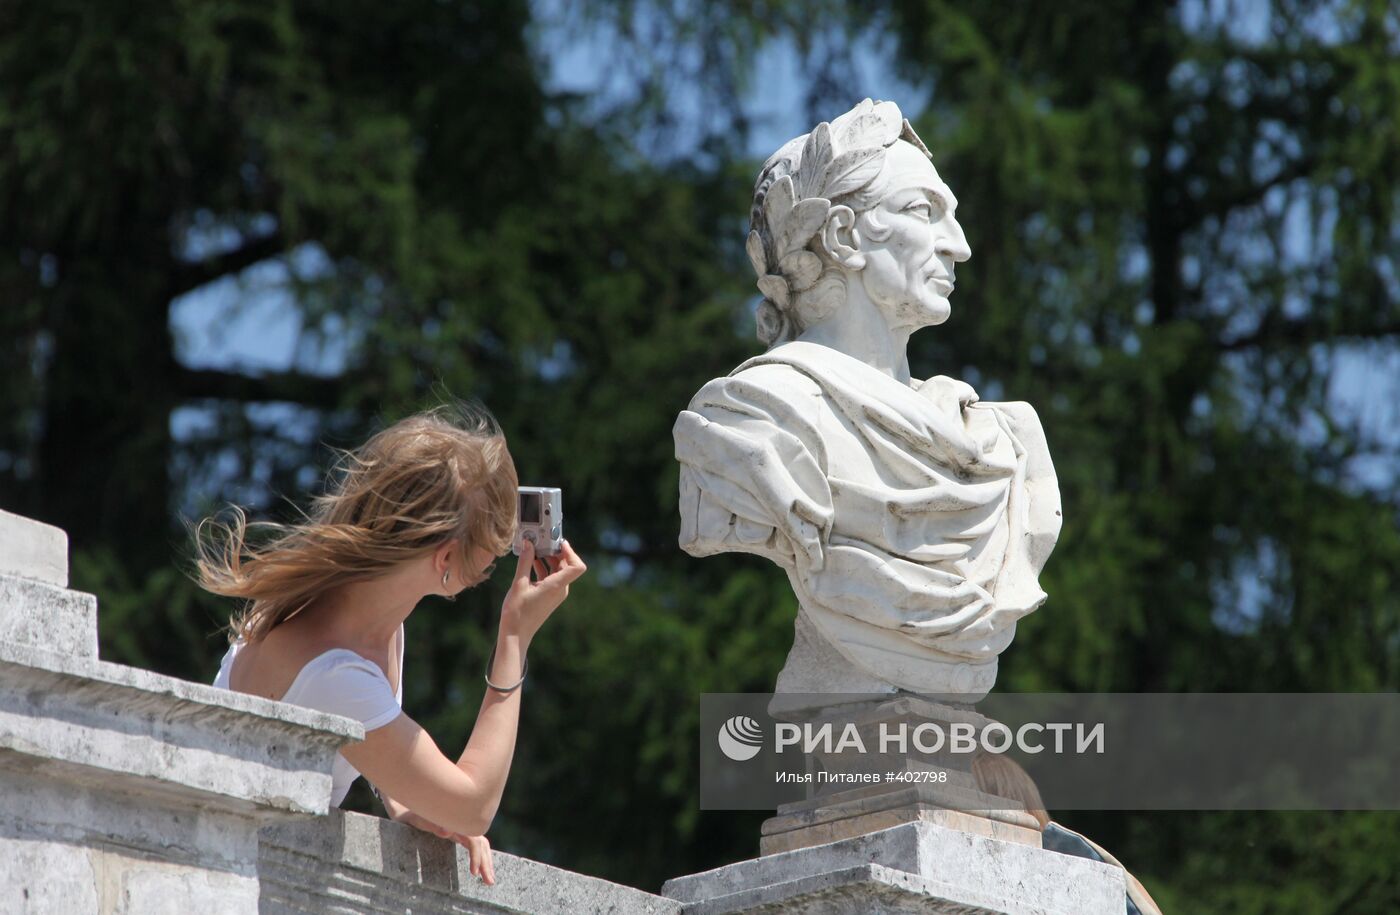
(404, 762)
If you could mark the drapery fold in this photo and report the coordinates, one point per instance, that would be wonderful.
(901, 513)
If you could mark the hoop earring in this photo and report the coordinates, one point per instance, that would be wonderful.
(445, 574)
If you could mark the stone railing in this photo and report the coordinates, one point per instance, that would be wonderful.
(127, 792)
(357, 863)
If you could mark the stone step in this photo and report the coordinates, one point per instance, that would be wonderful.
(33, 549)
(47, 616)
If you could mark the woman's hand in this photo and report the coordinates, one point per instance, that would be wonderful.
(529, 603)
(478, 847)
(479, 857)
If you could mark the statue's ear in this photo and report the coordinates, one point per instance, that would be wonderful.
(840, 239)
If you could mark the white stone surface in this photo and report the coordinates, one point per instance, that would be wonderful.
(47, 616)
(348, 862)
(87, 846)
(815, 670)
(916, 867)
(40, 876)
(912, 519)
(33, 549)
(135, 728)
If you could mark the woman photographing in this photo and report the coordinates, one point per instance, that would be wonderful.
(424, 507)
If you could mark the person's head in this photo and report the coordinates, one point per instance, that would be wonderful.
(1000, 775)
(437, 489)
(856, 200)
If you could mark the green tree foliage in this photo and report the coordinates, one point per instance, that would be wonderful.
(1183, 219)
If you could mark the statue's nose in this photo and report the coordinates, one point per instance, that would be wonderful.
(952, 242)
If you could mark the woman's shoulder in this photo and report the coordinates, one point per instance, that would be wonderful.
(342, 682)
(341, 663)
(277, 665)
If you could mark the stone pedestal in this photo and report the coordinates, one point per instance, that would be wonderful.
(855, 813)
(814, 668)
(938, 787)
(915, 867)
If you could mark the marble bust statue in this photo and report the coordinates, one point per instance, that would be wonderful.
(911, 518)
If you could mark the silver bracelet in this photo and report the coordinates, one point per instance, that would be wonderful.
(524, 669)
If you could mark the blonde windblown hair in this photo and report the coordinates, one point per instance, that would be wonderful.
(1000, 775)
(430, 478)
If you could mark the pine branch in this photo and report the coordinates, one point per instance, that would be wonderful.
(1302, 332)
(1226, 200)
(193, 275)
(293, 387)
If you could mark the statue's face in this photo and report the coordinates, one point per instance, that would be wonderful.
(911, 242)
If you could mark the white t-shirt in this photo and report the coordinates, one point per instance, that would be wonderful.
(342, 683)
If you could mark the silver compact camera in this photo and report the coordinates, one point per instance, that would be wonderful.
(541, 519)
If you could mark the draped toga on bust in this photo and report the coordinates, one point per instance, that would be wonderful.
(912, 520)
